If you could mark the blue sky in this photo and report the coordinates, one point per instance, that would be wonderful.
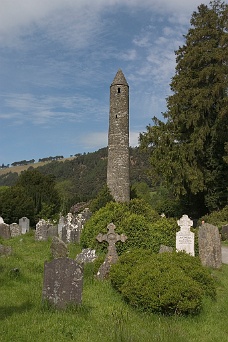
(59, 57)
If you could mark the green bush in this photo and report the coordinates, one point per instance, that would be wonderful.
(133, 219)
(168, 283)
(217, 218)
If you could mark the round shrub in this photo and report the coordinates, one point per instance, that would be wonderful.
(168, 283)
(133, 219)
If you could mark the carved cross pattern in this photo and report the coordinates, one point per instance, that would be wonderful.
(111, 237)
(185, 222)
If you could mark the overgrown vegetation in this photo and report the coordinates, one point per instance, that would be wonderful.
(168, 283)
(103, 315)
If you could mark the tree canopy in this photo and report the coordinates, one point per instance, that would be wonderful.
(188, 148)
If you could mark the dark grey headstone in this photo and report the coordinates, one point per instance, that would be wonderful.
(224, 232)
(58, 248)
(210, 252)
(5, 231)
(52, 230)
(63, 282)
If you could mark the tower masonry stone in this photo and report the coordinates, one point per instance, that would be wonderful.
(118, 178)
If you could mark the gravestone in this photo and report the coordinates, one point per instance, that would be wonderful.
(224, 232)
(71, 230)
(5, 250)
(111, 258)
(86, 255)
(165, 249)
(210, 251)
(24, 223)
(15, 229)
(1, 220)
(60, 226)
(41, 233)
(63, 281)
(52, 230)
(58, 248)
(185, 238)
(5, 231)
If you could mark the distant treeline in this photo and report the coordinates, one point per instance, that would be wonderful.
(32, 161)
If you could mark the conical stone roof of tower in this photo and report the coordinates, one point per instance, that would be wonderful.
(119, 78)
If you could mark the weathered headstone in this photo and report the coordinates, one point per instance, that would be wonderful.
(58, 248)
(41, 233)
(185, 238)
(5, 231)
(63, 282)
(224, 232)
(24, 223)
(71, 230)
(52, 230)
(210, 252)
(86, 255)
(60, 226)
(111, 258)
(165, 249)
(5, 250)
(15, 229)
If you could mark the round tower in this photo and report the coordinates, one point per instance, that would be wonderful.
(118, 179)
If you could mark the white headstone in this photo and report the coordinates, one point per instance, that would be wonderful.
(185, 238)
(24, 223)
(1, 220)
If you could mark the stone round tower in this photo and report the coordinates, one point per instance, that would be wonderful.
(118, 180)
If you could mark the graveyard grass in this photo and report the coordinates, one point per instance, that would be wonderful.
(103, 316)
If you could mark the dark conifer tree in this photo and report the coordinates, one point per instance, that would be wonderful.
(188, 148)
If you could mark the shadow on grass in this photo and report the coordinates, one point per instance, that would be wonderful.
(7, 311)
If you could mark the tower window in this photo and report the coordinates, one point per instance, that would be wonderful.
(118, 90)
(116, 116)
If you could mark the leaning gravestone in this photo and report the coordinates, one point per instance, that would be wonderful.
(185, 238)
(24, 223)
(15, 229)
(5, 231)
(58, 248)
(111, 258)
(63, 282)
(210, 251)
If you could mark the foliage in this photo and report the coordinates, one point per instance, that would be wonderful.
(217, 218)
(168, 283)
(15, 203)
(192, 139)
(137, 220)
(141, 190)
(33, 195)
(103, 197)
(24, 318)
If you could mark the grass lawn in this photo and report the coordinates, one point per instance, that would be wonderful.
(103, 316)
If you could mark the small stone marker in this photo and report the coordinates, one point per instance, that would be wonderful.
(86, 255)
(15, 229)
(111, 258)
(5, 250)
(5, 231)
(58, 248)
(165, 249)
(210, 251)
(63, 281)
(185, 238)
(24, 223)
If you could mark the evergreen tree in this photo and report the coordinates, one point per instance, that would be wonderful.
(188, 148)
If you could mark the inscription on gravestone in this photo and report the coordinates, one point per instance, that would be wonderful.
(63, 281)
(111, 258)
(185, 238)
